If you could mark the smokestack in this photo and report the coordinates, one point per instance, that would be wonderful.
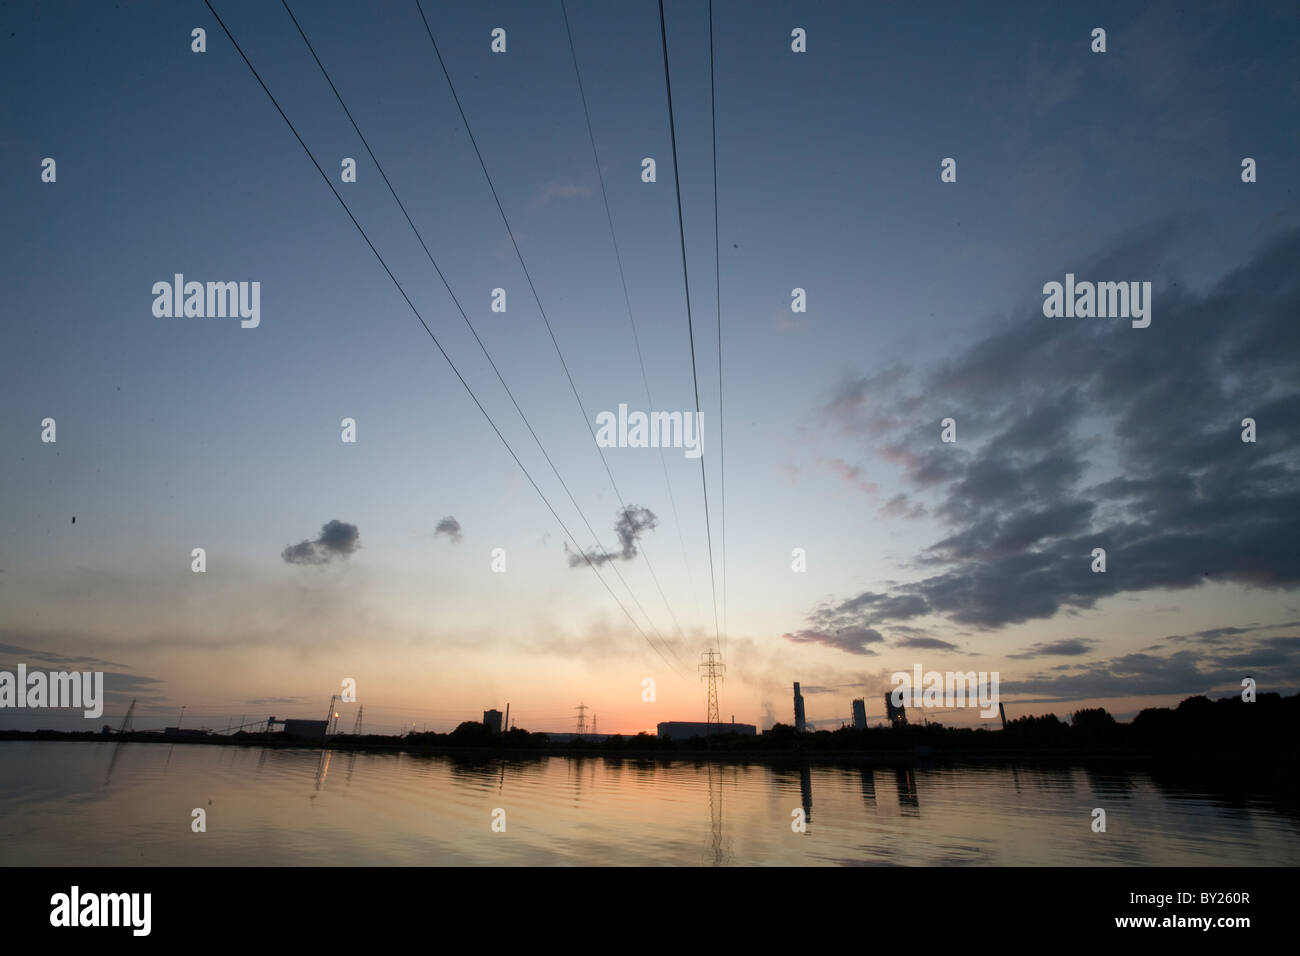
(507, 724)
(1002, 711)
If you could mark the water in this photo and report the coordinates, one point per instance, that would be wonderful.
(94, 804)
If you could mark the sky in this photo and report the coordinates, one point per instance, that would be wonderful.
(374, 560)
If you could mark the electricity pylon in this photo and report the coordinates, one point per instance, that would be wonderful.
(582, 719)
(711, 669)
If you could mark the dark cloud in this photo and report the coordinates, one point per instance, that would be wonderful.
(851, 639)
(49, 660)
(868, 607)
(1069, 647)
(337, 539)
(450, 527)
(631, 523)
(1178, 498)
(1274, 663)
(926, 644)
(1221, 635)
(1270, 652)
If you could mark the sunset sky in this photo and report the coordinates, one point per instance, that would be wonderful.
(924, 302)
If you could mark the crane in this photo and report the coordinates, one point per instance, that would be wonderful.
(126, 721)
(330, 715)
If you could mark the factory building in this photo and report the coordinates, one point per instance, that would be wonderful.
(307, 729)
(685, 729)
(859, 714)
(897, 714)
(492, 720)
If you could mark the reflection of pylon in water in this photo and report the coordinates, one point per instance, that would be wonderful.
(715, 811)
(711, 669)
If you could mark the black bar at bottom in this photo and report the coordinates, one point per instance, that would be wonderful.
(248, 906)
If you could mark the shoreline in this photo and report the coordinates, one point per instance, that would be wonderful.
(907, 755)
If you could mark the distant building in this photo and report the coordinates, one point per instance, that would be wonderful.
(799, 721)
(309, 729)
(897, 715)
(860, 714)
(492, 720)
(685, 730)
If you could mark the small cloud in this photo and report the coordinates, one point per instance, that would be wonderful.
(926, 644)
(632, 522)
(450, 527)
(561, 191)
(852, 474)
(901, 506)
(337, 539)
(1069, 647)
(274, 701)
(783, 320)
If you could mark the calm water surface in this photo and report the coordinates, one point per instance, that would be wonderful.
(94, 804)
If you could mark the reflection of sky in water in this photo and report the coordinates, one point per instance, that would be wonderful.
(95, 804)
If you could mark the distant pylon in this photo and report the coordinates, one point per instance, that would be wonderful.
(582, 719)
(711, 669)
(356, 730)
(593, 726)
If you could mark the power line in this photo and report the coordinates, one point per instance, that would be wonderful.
(717, 271)
(690, 323)
(468, 324)
(536, 298)
(618, 257)
(416, 311)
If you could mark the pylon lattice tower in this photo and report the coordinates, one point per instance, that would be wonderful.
(582, 719)
(712, 669)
